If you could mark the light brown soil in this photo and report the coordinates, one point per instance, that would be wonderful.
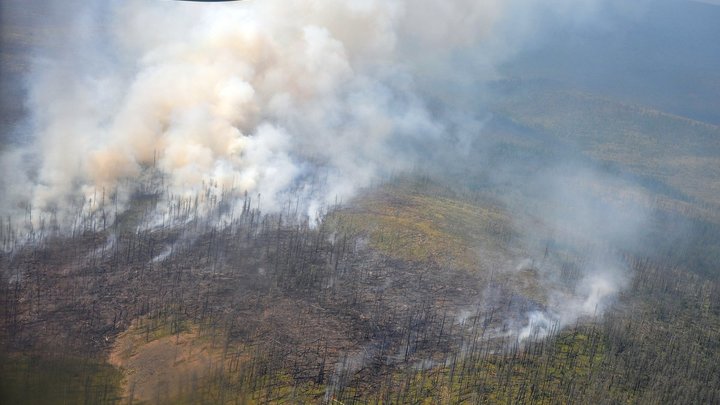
(165, 368)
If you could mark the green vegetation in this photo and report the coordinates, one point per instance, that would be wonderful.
(681, 153)
(33, 379)
(407, 221)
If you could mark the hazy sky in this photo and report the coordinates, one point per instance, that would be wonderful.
(713, 2)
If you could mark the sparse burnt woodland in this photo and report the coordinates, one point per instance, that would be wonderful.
(269, 308)
(526, 202)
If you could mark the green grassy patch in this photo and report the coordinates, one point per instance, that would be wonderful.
(28, 379)
(417, 223)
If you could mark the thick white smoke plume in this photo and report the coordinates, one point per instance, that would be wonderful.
(244, 96)
(255, 96)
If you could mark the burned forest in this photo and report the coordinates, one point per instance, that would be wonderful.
(270, 202)
(284, 311)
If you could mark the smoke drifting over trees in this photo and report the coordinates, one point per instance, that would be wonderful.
(255, 97)
(282, 100)
(363, 160)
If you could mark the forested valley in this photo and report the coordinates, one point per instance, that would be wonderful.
(270, 308)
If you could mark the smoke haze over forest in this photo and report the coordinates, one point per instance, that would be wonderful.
(285, 100)
(587, 128)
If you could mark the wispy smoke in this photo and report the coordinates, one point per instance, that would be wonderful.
(590, 297)
(588, 215)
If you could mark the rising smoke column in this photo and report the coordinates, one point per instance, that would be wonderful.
(254, 96)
